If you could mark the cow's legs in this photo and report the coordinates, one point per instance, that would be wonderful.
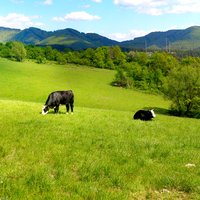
(67, 108)
(56, 109)
(72, 107)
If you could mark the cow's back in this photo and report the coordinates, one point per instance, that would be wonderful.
(66, 97)
(60, 97)
(53, 99)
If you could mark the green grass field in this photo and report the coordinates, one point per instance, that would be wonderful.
(100, 152)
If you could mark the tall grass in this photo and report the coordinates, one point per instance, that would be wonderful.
(100, 152)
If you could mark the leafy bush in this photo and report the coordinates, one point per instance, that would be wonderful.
(146, 72)
(121, 79)
(183, 88)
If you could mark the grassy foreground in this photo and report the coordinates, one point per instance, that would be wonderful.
(97, 153)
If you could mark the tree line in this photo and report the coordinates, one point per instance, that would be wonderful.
(178, 78)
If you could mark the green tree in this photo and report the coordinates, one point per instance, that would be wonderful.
(49, 53)
(60, 58)
(107, 58)
(122, 79)
(40, 59)
(183, 89)
(159, 67)
(139, 57)
(33, 52)
(88, 55)
(99, 58)
(18, 51)
(189, 60)
(135, 72)
(163, 61)
(117, 55)
(4, 51)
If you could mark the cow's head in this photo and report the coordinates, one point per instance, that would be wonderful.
(45, 110)
(153, 113)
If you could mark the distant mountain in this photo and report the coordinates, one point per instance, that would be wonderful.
(31, 35)
(73, 39)
(6, 34)
(173, 39)
(185, 39)
(61, 39)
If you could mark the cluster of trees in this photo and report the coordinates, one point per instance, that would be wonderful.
(13, 50)
(102, 57)
(146, 71)
(177, 78)
(183, 88)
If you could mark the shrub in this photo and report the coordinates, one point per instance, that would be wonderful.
(183, 88)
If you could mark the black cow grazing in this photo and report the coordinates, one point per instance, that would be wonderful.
(59, 97)
(144, 115)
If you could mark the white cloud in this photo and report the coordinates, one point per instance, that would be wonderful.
(48, 2)
(128, 36)
(135, 3)
(134, 33)
(17, 1)
(97, 1)
(160, 7)
(15, 20)
(77, 16)
(118, 36)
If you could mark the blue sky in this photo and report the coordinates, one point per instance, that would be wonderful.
(116, 19)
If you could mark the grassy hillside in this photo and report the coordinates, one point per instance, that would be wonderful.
(97, 153)
(32, 82)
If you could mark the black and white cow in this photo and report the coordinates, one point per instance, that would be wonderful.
(144, 114)
(57, 98)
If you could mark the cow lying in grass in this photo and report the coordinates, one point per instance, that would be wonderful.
(144, 115)
(55, 99)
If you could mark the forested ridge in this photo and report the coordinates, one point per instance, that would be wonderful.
(173, 40)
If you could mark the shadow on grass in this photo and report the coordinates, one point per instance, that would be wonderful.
(158, 110)
(168, 112)
(53, 113)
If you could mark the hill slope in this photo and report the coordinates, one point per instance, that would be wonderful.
(6, 34)
(89, 91)
(31, 35)
(70, 38)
